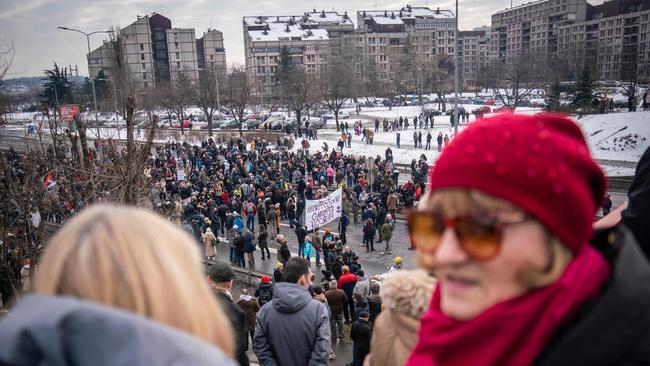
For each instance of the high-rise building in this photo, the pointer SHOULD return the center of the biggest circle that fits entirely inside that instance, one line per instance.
(533, 27)
(381, 35)
(307, 37)
(473, 57)
(181, 46)
(614, 41)
(210, 51)
(152, 52)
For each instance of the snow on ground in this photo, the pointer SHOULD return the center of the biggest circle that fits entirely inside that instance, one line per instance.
(617, 136)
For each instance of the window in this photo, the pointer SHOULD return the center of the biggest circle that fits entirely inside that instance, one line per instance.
(178, 65)
(141, 47)
(178, 55)
(142, 56)
(211, 57)
(144, 76)
(144, 66)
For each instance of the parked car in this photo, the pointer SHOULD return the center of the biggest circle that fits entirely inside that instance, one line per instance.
(342, 115)
(503, 109)
(252, 124)
(186, 124)
(229, 123)
(461, 110)
(490, 102)
(318, 123)
(432, 112)
(482, 110)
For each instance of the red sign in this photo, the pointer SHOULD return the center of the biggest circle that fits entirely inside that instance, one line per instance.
(68, 111)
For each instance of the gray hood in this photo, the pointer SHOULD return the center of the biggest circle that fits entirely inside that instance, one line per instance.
(290, 297)
(60, 331)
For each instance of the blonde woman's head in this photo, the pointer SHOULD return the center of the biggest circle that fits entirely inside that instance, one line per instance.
(132, 259)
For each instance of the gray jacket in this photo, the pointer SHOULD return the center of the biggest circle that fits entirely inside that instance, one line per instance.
(292, 329)
(362, 287)
(61, 331)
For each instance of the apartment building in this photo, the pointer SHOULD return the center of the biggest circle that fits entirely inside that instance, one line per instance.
(154, 52)
(473, 57)
(614, 41)
(307, 37)
(211, 54)
(381, 35)
(533, 27)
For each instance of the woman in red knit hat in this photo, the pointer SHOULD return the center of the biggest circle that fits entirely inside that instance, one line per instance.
(506, 228)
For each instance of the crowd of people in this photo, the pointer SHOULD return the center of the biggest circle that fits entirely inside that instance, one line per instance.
(504, 241)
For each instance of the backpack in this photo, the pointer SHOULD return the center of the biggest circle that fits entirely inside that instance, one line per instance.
(265, 296)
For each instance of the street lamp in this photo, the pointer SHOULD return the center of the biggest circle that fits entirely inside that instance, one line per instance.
(456, 74)
(92, 80)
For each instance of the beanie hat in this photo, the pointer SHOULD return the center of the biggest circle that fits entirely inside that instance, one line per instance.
(265, 279)
(539, 163)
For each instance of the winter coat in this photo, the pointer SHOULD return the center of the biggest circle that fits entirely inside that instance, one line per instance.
(362, 287)
(237, 319)
(613, 329)
(264, 293)
(406, 296)
(249, 245)
(308, 249)
(262, 239)
(337, 299)
(346, 283)
(374, 306)
(360, 334)
(386, 231)
(284, 254)
(250, 308)
(59, 330)
(293, 329)
(637, 214)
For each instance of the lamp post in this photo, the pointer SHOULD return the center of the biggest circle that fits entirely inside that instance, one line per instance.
(92, 80)
(456, 74)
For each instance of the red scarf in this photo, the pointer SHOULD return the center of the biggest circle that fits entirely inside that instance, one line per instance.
(513, 332)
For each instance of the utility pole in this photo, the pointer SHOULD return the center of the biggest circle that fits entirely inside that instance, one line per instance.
(92, 80)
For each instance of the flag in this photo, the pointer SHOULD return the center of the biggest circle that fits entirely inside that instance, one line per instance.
(49, 181)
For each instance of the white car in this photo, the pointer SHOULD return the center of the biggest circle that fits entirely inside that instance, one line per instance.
(342, 115)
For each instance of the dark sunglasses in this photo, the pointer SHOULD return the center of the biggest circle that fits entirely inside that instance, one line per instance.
(479, 234)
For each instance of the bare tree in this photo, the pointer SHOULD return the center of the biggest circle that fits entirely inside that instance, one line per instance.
(207, 98)
(336, 83)
(302, 94)
(514, 80)
(236, 93)
(442, 81)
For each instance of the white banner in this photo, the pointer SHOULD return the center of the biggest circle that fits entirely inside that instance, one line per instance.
(323, 211)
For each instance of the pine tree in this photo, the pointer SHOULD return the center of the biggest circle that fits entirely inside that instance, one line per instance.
(584, 89)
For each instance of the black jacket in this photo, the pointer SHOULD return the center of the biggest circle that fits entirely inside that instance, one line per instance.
(374, 306)
(637, 214)
(360, 335)
(237, 318)
(614, 329)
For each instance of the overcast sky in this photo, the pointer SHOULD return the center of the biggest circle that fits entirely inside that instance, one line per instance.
(31, 24)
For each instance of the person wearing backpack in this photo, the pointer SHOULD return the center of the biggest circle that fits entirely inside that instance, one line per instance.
(250, 210)
(264, 291)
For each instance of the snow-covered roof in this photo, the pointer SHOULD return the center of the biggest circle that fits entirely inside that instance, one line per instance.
(410, 12)
(387, 20)
(278, 31)
(329, 17)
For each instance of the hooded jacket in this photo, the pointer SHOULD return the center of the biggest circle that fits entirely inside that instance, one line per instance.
(59, 331)
(293, 329)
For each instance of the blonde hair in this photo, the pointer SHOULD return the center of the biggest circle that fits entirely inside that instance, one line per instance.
(132, 259)
(455, 201)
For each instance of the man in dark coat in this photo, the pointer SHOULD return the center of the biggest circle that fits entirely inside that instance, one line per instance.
(360, 333)
(220, 278)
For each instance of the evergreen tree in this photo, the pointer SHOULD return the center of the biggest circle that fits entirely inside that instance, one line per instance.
(584, 89)
(56, 86)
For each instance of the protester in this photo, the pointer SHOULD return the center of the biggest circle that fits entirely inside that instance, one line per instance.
(293, 329)
(264, 291)
(337, 300)
(346, 282)
(548, 297)
(360, 333)
(105, 247)
(250, 307)
(221, 277)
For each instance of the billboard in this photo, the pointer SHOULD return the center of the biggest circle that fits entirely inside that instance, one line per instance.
(68, 111)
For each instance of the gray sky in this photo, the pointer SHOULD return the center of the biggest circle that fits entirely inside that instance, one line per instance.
(31, 24)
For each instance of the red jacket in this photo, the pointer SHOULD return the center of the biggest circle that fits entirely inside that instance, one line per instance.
(347, 283)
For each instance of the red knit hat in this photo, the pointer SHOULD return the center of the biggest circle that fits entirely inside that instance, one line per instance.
(539, 163)
(266, 279)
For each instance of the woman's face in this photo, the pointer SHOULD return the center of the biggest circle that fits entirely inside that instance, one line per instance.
(469, 287)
